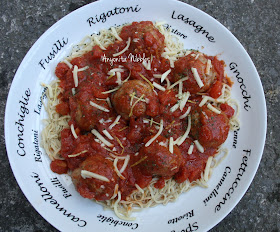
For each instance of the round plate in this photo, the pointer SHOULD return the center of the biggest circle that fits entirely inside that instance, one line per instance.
(54, 196)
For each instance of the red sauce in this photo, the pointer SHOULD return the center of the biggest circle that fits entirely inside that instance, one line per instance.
(134, 129)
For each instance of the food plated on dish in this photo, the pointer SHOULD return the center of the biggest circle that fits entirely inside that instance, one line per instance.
(136, 119)
(143, 109)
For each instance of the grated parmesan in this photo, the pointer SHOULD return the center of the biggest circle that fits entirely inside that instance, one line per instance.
(190, 150)
(125, 163)
(171, 143)
(115, 191)
(101, 138)
(107, 134)
(197, 77)
(75, 76)
(75, 155)
(198, 146)
(111, 90)
(184, 100)
(115, 122)
(207, 71)
(164, 75)
(86, 174)
(73, 131)
(175, 107)
(98, 106)
(177, 82)
(117, 170)
(156, 85)
(183, 138)
(157, 134)
(126, 48)
(207, 168)
(186, 113)
(119, 78)
(212, 108)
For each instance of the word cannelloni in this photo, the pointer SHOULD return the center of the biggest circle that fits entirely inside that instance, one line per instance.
(134, 133)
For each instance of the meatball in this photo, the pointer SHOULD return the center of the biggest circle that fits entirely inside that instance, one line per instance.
(145, 38)
(125, 98)
(158, 160)
(91, 187)
(84, 114)
(183, 68)
(209, 128)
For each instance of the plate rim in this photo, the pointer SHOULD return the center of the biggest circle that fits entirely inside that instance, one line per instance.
(17, 77)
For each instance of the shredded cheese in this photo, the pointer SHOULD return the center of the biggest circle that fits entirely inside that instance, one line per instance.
(120, 143)
(186, 113)
(164, 75)
(117, 170)
(139, 161)
(157, 134)
(184, 100)
(157, 75)
(208, 66)
(158, 86)
(177, 82)
(86, 174)
(126, 48)
(198, 146)
(75, 155)
(82, 69)
(203, 101)
(107, 134)
(115, 122)
(111, 90)
(98, 106)
(180, 90)
(207, 168)
(171, 143)
(101, 138)
(73, 131)
(109, 102)
(116, 156)
(115, 191)
(197, 77)
(119, 78)
(175, 107)
(190, 150)
(146, 80)
(147, 64)
(183, 138)
(125, 163)
(212, 108)
(75, 76)
(114, 70)
(131, 110)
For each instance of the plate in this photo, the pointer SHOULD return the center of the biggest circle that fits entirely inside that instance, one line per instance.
(54, 196)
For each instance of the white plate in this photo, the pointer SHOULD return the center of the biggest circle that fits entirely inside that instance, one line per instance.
(197, 210)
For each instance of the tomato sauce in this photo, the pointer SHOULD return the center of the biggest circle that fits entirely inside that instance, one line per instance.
(142, 107)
